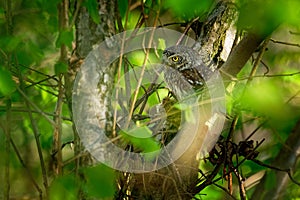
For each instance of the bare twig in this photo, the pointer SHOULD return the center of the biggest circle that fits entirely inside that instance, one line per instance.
(257, 60)
(78, 6)
(285, 43)
(215, 184)
(288, 171)
(38, 144)
(35, 130)
(7, 131)
(9, 31)
(241, 184)
(57, 133)
(269, 76)
(142, 72)
(294, 33)
(34, 111)
(37, 109)
(284, 162)
(53, 77)
(56, 146)
(187, 28)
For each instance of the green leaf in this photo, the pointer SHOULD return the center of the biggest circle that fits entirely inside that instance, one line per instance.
(141, 138)
(65, 37)
(123, 6)
(64, 187)
(9, 43)
(100, 182)
(92, 7)
(188, 9)
(7, 84)
(271, 180)
(29, 53)
(161, 44)
(147, 6)
(136, 58)
(188, 111)
(60, 68)
(264, 97)
(265, 16)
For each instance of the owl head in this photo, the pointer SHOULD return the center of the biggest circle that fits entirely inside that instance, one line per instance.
(179, 57)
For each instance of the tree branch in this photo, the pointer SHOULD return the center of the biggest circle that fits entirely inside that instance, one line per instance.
(286, 159)
(240, 55)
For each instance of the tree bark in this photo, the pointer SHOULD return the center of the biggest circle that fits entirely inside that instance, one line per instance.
(215, 43)
(88, 35)
(179, 180)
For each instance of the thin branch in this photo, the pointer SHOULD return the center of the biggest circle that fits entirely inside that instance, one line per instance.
(62, 146)
(78, 6)
(238, 165)
(76, 157)
(39, 72)
(257, 60)
(240, 55)
(57, 164)
(241, 185)
(288, 171)
(63, 10)
(34, 111)
(294, 33)
(269, 76)
(285, 43)
(26, 168)
(187, 28)
(215, 184)
(266, 67)
(38, 145)
(284, 161)
(171, 24)
(37, 109)
(7, 131)
(35, 129)
(142, 72)
(255, 130)
(40, 82)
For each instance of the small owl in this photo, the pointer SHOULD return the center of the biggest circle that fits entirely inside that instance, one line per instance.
(184, 71)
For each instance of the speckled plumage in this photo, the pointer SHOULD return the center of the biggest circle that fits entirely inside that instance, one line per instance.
(184, 71)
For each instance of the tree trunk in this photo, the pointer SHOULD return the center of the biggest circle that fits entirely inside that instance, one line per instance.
(216, 38)
(179, 180)
(88, 35)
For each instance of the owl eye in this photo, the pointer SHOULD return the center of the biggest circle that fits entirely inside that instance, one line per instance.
(175, 58)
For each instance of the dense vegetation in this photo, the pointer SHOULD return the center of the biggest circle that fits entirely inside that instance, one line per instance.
(40, 150)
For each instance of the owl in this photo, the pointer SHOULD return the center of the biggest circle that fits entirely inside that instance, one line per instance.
(184, 72)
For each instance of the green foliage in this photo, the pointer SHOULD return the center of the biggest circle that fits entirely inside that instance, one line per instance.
(271, 179)
(123, 6)
(9, 43)
(92, 7)
(65, 187)
(188, 9)
(7, 84)
(65, 37)
(141, 138)
(270, 104)
(265, 16)
(100, 182)
(60, 68)
(29, 51)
